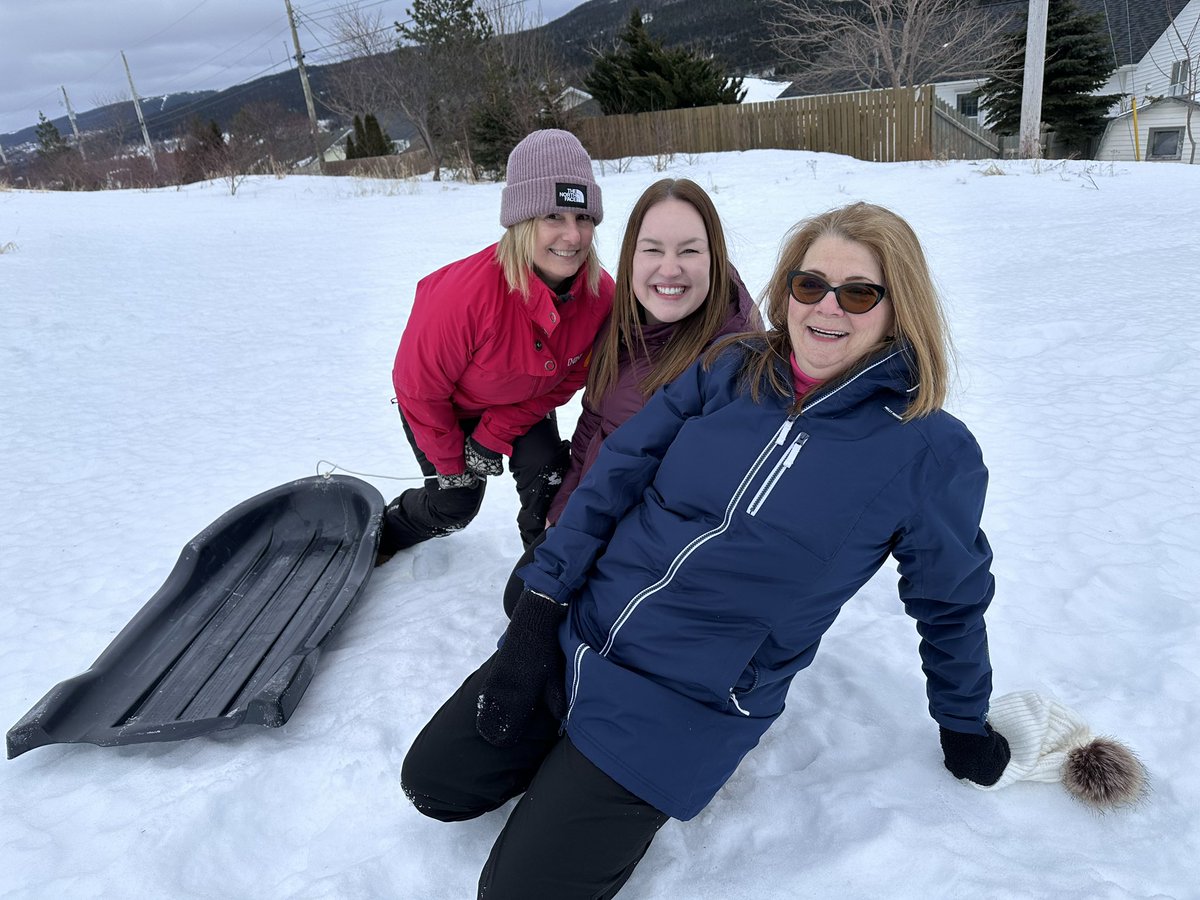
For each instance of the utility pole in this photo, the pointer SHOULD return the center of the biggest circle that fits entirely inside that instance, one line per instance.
(74, 127)
(312, 110)
(1031, 87)
(137, 105)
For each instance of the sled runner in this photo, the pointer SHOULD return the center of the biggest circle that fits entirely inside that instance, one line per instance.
(233, 635)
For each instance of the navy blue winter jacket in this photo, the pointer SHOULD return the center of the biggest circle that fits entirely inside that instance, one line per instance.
(713, 543)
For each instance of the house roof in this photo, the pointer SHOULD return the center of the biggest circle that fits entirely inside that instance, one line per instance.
(1155, 102)
(1134, 25)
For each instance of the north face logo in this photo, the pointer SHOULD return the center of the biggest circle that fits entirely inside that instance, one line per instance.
(573, 195)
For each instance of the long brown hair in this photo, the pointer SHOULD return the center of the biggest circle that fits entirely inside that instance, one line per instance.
(692, 334)
(915, 305)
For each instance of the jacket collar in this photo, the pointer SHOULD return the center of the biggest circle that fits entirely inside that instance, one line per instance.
(889, 373)
(543, 305)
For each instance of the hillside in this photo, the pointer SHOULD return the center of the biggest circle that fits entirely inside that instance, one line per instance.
(733, 30)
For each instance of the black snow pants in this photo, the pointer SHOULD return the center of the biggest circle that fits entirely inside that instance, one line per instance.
(575, 833)
(537, 464)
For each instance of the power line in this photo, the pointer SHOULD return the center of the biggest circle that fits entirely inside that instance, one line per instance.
(279, 30)
(172, 25)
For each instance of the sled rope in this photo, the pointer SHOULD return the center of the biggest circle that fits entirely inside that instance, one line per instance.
(334, 467)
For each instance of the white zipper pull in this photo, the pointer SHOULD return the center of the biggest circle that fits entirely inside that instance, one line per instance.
(794, 450)
(736, 705)
(782, 434)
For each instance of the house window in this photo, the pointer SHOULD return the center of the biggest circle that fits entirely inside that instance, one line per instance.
(1165, 143)
(968, 105)
(1180, 69)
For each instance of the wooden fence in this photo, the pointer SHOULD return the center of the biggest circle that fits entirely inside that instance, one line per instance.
(881, 126)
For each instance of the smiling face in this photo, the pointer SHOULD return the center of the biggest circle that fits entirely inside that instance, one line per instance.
(825, 338)
(671, 261)
(561, 244)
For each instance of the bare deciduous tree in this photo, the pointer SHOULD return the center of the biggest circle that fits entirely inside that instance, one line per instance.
(364, 79)
(458, 59)
(424, 79)
(523, 84)
(887, 43)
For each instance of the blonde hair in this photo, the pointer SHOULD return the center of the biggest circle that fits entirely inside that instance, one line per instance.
(693, 333)
(918, 319)
(515, 254)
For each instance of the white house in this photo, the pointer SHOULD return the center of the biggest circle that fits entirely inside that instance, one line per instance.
(1165, 87)
(962, 96)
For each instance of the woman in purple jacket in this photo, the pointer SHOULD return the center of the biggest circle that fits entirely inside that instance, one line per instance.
(676, 293)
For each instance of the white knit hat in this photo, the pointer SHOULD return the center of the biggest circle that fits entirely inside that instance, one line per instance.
(1050, 742)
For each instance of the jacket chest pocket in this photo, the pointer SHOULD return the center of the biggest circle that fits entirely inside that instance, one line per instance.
(817, 495)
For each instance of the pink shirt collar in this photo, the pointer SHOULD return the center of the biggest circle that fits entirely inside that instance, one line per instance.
(804, 382)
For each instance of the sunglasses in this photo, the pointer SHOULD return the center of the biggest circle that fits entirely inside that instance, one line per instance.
(855, 297)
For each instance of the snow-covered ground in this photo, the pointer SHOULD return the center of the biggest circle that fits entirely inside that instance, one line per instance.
(167, 354)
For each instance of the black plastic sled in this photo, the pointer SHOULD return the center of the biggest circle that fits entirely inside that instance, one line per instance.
(233, 635)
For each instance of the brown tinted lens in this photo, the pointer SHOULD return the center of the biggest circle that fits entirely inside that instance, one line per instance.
(857, 298)
(808, 288)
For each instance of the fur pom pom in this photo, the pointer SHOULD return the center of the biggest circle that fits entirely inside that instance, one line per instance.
(1104, 774)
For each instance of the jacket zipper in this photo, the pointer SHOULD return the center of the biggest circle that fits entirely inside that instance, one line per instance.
(733, 695)
(789, 457)
(776, 473)
(777, 440)
(576, 668)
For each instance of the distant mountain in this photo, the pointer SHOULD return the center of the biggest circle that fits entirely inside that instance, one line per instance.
(732, 30)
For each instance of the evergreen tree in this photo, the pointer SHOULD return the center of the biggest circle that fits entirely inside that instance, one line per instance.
(443, 23)
(641, 75)
(378, 142)
(50, 141)
(360, 139)
(202, 151)
(443, 73)
(1078, 62)
(495, 125)
(351, 150)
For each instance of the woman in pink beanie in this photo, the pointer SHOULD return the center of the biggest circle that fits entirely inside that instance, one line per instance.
(496, 342)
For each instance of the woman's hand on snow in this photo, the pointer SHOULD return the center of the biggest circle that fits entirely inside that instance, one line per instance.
(980, 758)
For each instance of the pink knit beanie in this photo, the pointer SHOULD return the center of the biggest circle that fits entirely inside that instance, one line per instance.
(549, 171)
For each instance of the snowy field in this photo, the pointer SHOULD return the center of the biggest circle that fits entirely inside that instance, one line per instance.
(167, 354)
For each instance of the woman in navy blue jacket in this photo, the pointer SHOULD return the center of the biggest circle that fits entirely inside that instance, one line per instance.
(697, 565)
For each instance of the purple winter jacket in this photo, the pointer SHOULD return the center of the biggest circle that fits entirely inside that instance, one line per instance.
(625, 397)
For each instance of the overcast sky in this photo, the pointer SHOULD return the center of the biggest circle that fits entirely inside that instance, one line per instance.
(171, 45)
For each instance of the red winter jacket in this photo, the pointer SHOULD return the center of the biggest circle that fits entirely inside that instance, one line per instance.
(474, 347)
(625, 397)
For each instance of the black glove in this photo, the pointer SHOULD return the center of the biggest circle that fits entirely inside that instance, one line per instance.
(467, 479)
(481, 460)
(980, 758)
(526, 671)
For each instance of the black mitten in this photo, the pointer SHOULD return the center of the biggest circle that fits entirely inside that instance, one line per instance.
(481, 460)
(980, 758)
(527, 670)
